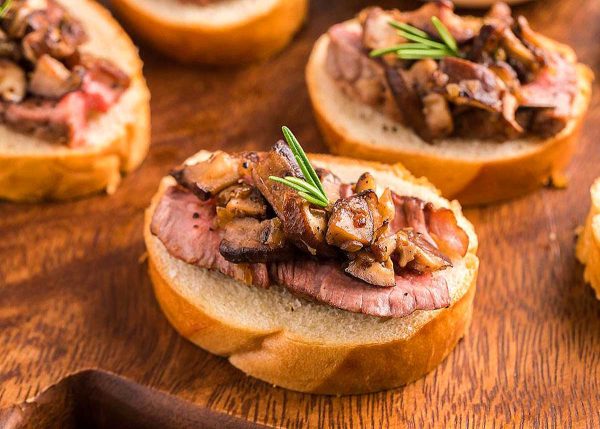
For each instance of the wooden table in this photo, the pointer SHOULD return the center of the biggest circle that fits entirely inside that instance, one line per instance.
(74, 293)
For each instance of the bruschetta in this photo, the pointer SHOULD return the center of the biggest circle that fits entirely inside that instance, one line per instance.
(315, 273)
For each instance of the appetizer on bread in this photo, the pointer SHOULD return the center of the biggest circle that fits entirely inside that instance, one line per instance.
(485, 108)
(74, 108)
(588, 245)
(344, 278)
(214, 31)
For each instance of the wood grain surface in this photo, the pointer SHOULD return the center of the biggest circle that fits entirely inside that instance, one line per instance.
(74, 292)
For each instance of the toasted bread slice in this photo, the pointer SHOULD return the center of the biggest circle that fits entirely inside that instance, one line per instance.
(291, 342)
(32, 169)
(474, 172)
(588, 245)
(226, 32)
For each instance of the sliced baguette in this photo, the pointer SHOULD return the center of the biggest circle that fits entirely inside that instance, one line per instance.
(588, 245)
(291, 342)
(32, 169)
(474, 172)
(227, 32)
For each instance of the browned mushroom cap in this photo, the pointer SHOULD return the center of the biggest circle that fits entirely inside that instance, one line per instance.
(211, 176)
(12, 81)
(46, 28)
(472, 84)
(52, 79)
(351, 225)
(250, 240)
(408, 102)
(366, 268)
(366, 182)
(238, 201)
(415, 252)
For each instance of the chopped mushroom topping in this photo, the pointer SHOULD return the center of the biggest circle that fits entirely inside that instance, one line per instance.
(366, 182)
(371, 271)
(206, 178)
(373, 238)
(12, 81)
(52, 79)
(50, 87)
(250, 240)
(499, 81)
(417, 253)
(351, 225)
(238, 201)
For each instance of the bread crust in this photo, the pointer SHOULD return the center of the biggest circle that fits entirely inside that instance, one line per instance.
(472, 181)
(285, 359)
(588, 244)
(72, 173)
(249, 39)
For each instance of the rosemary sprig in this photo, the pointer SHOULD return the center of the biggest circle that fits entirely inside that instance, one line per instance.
(4, 7)
(421, 44)
(310, 188)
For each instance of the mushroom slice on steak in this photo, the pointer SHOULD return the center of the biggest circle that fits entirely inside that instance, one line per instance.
(52, 79)
(352, 222)
(518, 52)
(365, 267)
(499, 12)
(416, 253)
(471, 84)
(250, 240)
(366, 182)
(206, 178)
(408, 102)
(12, 81)
(303, 224)
(238, 201)
(48, 30)
(484, 48)
(384, 244)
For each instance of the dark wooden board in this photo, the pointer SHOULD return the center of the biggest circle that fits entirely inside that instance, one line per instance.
(75, 295)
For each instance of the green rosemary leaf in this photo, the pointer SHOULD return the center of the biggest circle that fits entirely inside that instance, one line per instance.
(384, 51)
(421, 45)
(291, 141)
(312, 200)
(422, 40)
(310, 188)
(445, 34)
(287, 183)
(408, 47)
(422, 54)
(307, 186)
(305, 164)
(4, 7)
(408, 28)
